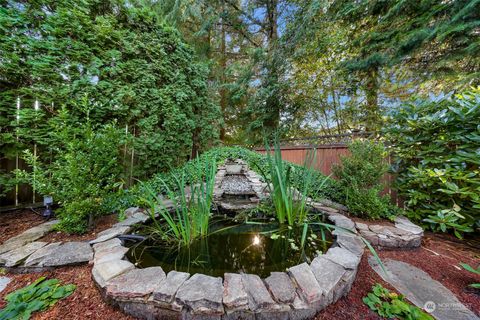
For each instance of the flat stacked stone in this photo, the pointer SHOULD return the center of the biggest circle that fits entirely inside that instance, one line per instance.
(405, 224)
(200, 295)
(343, 257)
(307, 286)
(164, 295)
(103, 272)
(281, 287)
(111, 233)
(60, 254)
(351, 243)
(27, 236)
(343, 222)
(136, 213)
(301, 310)
(135, 284)
(109, 254)
(404, 234)
(41, 254)
(107, 245)
(17, 256)
(329, 276)
(235, 298)
(131, 221)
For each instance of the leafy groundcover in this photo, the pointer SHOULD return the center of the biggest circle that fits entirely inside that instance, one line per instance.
(38, 296)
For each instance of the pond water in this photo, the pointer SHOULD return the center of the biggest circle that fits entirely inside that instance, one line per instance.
(250, 248)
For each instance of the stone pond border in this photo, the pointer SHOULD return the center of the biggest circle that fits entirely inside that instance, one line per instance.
(298, 293)
(402, 235)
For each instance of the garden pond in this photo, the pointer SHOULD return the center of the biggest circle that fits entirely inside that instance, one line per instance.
(251, 247)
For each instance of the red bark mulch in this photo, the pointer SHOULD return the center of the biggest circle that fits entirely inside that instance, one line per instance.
(13, 223)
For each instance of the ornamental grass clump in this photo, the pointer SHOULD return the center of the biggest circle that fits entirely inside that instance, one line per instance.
(190, 217)
(290, 204)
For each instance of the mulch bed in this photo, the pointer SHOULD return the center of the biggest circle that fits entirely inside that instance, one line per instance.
(439, 256)
(85, 302)
(15, 222)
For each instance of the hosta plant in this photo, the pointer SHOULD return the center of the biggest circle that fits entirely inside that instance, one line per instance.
(38, 296)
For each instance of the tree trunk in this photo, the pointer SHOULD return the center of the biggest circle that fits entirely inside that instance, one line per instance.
(371, 92)
(272, 102)
(223, 92)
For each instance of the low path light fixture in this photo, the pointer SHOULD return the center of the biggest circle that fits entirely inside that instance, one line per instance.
(48, 202)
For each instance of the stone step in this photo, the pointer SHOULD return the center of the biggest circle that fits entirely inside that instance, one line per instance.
(17, 256)
(423, 291)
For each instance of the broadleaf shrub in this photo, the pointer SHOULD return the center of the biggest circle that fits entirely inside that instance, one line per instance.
(84, 173)
(359, 177)
(436, 148)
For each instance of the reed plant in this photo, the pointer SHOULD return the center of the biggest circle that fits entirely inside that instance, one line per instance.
(189, 218)
(291, 204)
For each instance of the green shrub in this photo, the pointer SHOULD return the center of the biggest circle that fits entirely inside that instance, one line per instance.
(367, 203)
(85, 171)
(365, 166)
(359, 177)
(132, 66)
(38, 296)
(436, 151)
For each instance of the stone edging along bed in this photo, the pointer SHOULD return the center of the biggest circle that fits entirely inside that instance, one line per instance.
(299, 293)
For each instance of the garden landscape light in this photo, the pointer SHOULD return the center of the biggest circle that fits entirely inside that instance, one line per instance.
(47, 202)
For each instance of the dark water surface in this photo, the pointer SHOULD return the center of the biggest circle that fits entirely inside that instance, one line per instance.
(245, 248)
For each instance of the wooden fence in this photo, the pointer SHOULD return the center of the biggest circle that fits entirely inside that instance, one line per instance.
(327, 155)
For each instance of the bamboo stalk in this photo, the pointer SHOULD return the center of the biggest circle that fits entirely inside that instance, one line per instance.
(16, 158)
(131, 160)
(36, 107)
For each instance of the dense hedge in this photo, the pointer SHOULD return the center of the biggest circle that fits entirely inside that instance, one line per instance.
(121, 58)
(436, 145)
